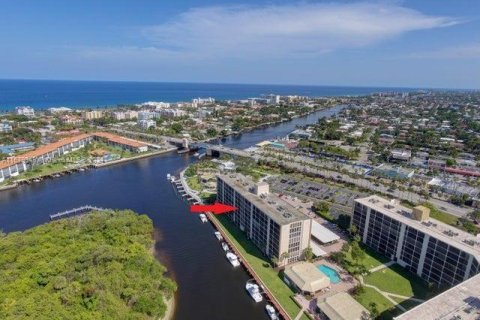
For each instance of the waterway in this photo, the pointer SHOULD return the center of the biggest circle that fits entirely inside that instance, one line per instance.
(209, 288)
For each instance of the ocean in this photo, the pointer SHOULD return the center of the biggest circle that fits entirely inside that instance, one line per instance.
(41, 94)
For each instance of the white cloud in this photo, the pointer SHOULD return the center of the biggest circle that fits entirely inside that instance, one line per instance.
(288, 30)
(458, 52)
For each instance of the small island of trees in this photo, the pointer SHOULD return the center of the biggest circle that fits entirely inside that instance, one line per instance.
(97, 266)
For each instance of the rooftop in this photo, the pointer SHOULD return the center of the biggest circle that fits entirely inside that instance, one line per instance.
(307, 277)
(459, 302)
(341, 306)
(276, 208)
(437, 229)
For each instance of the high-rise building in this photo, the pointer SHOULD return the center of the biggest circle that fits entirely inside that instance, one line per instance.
(277, 228)
(25, 111)
(437, 252)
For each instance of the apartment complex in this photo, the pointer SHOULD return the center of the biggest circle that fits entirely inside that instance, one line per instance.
(15, 165)
(439, 253)
(272, 224)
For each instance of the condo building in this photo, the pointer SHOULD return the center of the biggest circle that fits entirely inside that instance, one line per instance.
(272, 224)
(437, 252)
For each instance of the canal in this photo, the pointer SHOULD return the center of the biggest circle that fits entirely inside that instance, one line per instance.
(208, 287)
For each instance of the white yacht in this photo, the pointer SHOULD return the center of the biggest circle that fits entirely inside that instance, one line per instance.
(225, 246)
(203, 217)
(254, 291)
(272, 313)
(233, 259)
(169, 176)
(218, 235)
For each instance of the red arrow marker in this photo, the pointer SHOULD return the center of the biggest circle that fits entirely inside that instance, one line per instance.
(216, 208)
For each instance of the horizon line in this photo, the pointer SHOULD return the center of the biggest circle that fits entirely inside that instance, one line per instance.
(253, 84)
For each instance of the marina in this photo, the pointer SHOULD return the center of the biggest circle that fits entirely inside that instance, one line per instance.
(133, 185)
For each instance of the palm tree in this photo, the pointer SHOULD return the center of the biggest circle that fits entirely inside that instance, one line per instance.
(284, 256)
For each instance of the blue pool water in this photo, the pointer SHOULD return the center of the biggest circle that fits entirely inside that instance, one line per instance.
(330, 273)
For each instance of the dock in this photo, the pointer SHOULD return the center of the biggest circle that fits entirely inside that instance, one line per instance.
(243, 261)
(75, 212)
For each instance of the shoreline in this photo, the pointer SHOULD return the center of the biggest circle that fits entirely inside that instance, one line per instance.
(16, 184)
(171, 307)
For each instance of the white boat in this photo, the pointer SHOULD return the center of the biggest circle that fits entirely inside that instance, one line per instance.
(203, 217)
(218, 235)
(254, 291)
(169, 176)
(225, 246)
(233, 259)
(172, 178)
(196, 154)
(272, 313)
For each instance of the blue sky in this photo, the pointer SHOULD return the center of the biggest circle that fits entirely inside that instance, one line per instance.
(427, 43)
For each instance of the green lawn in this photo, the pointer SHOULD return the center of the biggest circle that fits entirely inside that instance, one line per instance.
(270, 277)
(371, 295)
(194, 184)
(396, 279)
(371, 259)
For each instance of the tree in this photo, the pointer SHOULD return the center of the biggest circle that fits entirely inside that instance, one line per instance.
(356, 252)
(212, 132)
(373, 310)
(308, 254)
(177, 127)
(284, 256)
(274, 261)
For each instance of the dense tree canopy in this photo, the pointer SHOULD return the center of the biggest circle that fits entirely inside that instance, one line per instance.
(97, 266)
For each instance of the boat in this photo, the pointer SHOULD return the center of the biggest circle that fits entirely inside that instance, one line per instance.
(233, 259)
(36, 180)
(254, 291)
(225, 246)
(272, 313)
(81, 169)
(196, 154)
(172, 178)
(218, 235)
(169, 176)
(203, 217)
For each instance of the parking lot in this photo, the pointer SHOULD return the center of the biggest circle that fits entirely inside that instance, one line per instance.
(341, 198)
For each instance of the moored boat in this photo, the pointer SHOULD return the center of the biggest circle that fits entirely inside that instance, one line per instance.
(254, 291)
(272, 313)
(203, 217)
(225, 246)
(218, 235)
(233, 259)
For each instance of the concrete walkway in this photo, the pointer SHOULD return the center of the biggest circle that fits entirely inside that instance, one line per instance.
(300, 314)
(384, 294)
(382, 266)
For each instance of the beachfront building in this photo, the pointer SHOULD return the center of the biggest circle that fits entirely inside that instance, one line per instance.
(25, 111)
(15, 165)
(305, 278)
(278, 229)
(437, 252)
(341, 306)
(94, 114)
(5, 127)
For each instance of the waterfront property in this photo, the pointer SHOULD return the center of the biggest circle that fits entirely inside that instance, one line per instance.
(437, 252)
(306, 278)
(278, 229)
(15, 165)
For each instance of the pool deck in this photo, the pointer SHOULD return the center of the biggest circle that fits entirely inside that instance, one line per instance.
(348, 282)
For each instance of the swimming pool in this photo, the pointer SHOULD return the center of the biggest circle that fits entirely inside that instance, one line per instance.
(330, 273)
